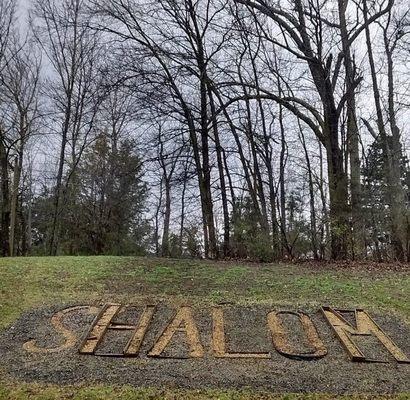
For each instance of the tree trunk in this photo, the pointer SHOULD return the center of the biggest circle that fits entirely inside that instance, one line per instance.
(399, 218)
(325, 229)
(224, 197)
(58, 194)
(313, 230)
(282, 192)
(338, 194)
(182, 224)
(352, 138)
(165, 251)
(156, 230)
(14, 200)
(5, 201)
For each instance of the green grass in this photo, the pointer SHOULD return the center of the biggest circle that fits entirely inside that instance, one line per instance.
(38, 392)
(40, 281)
(37, 281)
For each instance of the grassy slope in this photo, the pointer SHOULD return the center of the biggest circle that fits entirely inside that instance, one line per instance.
(30, 282)
(23, 392)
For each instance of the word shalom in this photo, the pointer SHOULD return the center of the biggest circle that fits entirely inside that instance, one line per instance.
(183, 322)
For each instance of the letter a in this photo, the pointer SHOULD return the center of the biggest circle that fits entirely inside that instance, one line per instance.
(182, 322)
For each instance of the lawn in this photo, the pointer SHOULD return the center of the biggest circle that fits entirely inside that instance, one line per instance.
(39, 281)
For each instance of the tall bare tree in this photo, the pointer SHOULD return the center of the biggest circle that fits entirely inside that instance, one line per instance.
(73, 53)
(390, 141)
(20, 80)
(300, 31)
(7, 20)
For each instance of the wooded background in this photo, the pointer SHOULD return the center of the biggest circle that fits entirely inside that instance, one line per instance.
(256, 129)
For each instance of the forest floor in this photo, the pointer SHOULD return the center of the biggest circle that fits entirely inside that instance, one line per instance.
(41, 283)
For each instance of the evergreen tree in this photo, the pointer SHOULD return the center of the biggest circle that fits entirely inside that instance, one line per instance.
(375, 200)
(104, 213)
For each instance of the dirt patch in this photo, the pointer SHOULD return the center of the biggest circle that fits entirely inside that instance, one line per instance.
(245, 332)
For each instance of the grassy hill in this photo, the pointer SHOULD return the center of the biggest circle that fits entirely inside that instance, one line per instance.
(26, 283)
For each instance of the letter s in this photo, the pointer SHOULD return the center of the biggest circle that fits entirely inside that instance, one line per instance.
(57, 322)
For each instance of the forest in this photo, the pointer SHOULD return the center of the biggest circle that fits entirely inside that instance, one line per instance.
(224, 129)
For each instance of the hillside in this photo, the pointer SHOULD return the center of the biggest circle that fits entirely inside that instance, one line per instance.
(30, 284)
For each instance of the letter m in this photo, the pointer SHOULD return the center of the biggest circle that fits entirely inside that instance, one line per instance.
(365, 326)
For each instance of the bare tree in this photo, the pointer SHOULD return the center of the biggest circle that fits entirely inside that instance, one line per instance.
(391, 143)
(181, 54)
(20, 80)
(301, 30)
(7, 19)
(73, 53)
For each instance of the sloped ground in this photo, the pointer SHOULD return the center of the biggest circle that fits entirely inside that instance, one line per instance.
(31, 289)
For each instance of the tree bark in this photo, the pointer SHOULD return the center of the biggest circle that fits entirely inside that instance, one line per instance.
(352, 137)
(165, 251)
(14, 200)
(5, 201)
(224, 197)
